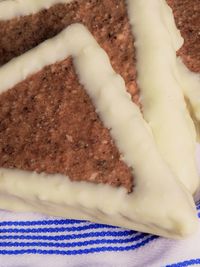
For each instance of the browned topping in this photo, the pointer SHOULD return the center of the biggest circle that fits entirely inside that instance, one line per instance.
(187, 16)
(106, 19)
(47, 122)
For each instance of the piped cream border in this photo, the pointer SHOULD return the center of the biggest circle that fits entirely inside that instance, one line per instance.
(158, 204)
(162, 85)
(191, 87)
(174, 79)
(10, 9)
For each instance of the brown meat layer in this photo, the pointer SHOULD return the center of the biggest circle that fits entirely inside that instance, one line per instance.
(48, 123)
(107, 20)
(187, 17)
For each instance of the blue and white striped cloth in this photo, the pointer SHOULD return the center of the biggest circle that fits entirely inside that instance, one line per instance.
(39, 241)
(32, 240)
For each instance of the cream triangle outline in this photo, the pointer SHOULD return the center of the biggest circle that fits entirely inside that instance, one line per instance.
(159, 204)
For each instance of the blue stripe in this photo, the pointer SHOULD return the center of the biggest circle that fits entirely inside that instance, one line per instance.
(74, 244)
(185, 263)
(57, 229)
(43, 222)
(67, 237)
(77, 252)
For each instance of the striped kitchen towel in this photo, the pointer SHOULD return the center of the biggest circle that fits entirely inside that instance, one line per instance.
(39, 241)
(32, 240)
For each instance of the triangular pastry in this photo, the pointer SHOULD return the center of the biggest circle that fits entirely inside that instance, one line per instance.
(66, 115)
(25, 24)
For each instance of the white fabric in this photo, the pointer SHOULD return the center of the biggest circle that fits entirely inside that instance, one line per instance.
(156, 252)
(159, 252)
(98, 245)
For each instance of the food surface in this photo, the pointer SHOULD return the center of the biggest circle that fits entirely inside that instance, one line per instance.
(187, 17)
(89, 118)
(48, 124)
(68, 137)
(107, 20)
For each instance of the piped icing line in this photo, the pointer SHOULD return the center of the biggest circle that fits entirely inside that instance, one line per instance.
(159, 204)
(168, 21)
(162, 99)
(10, 9)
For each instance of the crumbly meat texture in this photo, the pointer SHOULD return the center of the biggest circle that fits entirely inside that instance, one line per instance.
(187, 17)
(47, 122)
(107, 20)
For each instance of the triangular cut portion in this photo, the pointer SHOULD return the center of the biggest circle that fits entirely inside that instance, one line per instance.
(72, 148)
(49, 124)
(73, 143)
(156, 202)
(108, 22)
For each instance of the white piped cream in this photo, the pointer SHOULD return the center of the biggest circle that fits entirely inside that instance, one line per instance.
(10, 9)
(164, 107)
(158, 204)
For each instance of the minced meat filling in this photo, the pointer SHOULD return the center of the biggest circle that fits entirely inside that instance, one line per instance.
(47, 122)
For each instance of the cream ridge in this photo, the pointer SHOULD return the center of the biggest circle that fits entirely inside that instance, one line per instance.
(162, 86)
(158, 204)
(162, 96)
